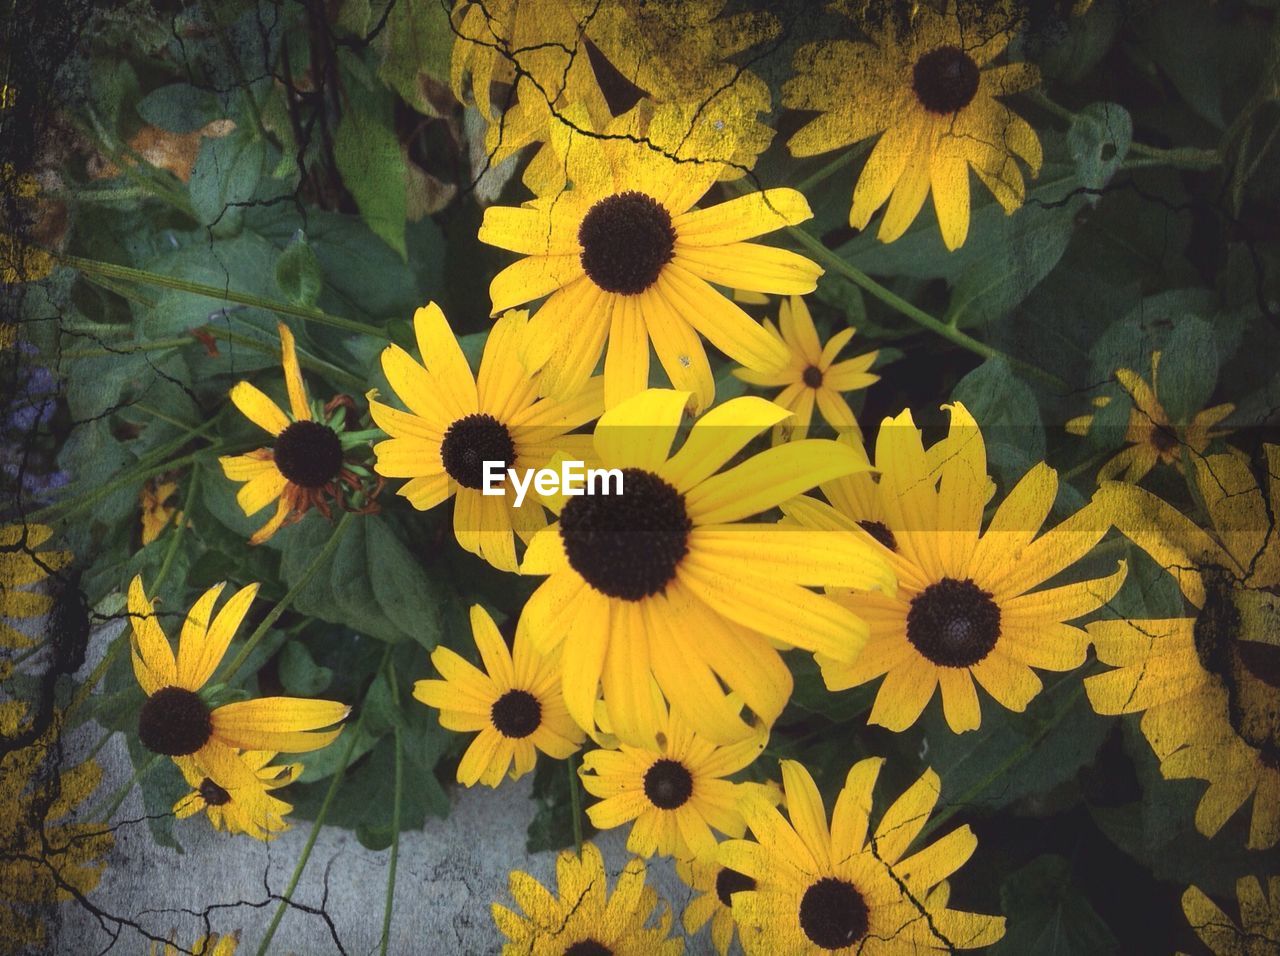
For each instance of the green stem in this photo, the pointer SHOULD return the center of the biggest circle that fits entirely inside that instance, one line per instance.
(157, 346)
(830, 260)
(319, 366)
(823, 173)
(261, 630)
(353, 735)
(124, 791)
(142, 469)
(966, 798)
(221, 294)
(1184, 157)
(105, 194)
(395, 838)
(117, 645)
(575, 802)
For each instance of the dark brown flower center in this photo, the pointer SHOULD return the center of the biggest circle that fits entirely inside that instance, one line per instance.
(472, 441)
(308, 454)
(668, 784)
(953, 623)
(626, 239)
(729, 882)
(881, 532)
(174, 722)
(1164, 438)
(627, 545)
(212, 794)
(516, 714)
(588, 947)
(945, 80)
(833, 913)
(1218, 624)
(813, 376)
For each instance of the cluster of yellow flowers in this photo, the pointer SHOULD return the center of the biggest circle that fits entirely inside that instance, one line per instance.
(659, 629)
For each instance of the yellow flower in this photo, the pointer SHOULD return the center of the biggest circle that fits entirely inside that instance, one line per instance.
(23, 566)
(307, 462)
(1205, 685)
(584, 919)
(964, 609)
(211, 945)
(665, 579)
(931, 90)
(623, 257)
(818, 890)
(1258, 933)
(47, 858)
(456, 423)
(550, 57)
(249, 808)
(675, 792)
(1152, 438)
(516, 707)
(812, 375)
(203, 740)
(714, 885)
(158, 511)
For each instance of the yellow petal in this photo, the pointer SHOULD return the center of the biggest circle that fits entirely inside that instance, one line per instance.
(751, 266)
(259, 409)
(293, 374)
(742, 218)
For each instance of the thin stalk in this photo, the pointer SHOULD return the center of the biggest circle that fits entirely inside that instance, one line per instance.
(220, 294)
(395, 840)
(117, 645)
(953, 806)
(283, 604)
(120, 795)
(830, 260)
(823, 173)
(157, 346)
(353, 735)
(575, 803)
(143, 468)
(313, 364)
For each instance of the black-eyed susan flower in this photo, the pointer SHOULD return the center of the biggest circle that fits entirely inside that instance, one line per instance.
(23, 566)
(1258, 931)
(528, 64)
(516, 707)
(203, 739)
(307, 465)
(248, 808)
(457, 421)
(965, 608)
(713, 886)
(673, 794)
(929, 89)
(818, 890)
(50, 855)
(624, 257)
(665, 580)
(1151, 437)
(210, 945)
(583, 918)
(1206, 684)
(812, 376)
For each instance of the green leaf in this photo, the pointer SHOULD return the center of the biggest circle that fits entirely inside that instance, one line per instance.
(225, 178)
(552, 825)
(1048, 916)
(180, 108)
(1099, 140)
(371, 162)
(299, 672)
(1012, 756)
(1188, 368)
(1005, 409)
(419, 47)
(372, 583)
(298, 273)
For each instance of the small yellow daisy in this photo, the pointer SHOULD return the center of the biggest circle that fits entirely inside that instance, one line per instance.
(249, 808)
(675, 793)
(813, 376)
(584, 919)
(516, 707)
(456, 422)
